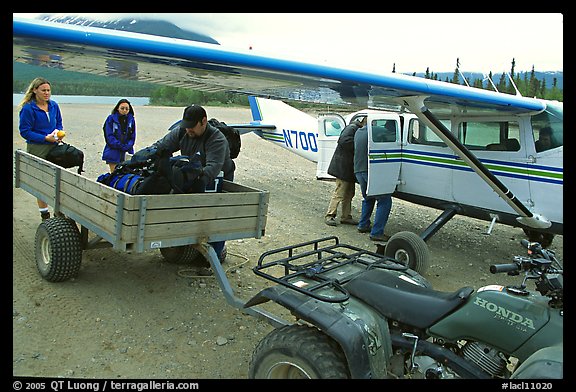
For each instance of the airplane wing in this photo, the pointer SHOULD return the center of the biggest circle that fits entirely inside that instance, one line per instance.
(211, 67)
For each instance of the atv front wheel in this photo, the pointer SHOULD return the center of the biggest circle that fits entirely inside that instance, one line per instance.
(298, 352)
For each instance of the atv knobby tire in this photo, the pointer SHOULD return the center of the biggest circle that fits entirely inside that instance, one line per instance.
(58, 249)
(297, 352)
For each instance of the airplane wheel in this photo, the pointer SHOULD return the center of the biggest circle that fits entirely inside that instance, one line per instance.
(410, 250)
(545, 239)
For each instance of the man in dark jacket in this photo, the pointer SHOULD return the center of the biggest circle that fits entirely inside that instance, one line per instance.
(196, 136)
(342, 167)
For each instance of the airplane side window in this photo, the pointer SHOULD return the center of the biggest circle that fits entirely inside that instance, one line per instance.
(383, 131)
(419, 133)
(548, 130)
(490, 135)
(332, 128)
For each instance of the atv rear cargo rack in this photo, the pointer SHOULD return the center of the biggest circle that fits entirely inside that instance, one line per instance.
(320, 268)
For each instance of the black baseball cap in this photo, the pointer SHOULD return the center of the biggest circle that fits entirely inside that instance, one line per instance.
(193, 114)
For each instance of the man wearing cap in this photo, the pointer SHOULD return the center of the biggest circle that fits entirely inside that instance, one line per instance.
(196, 136)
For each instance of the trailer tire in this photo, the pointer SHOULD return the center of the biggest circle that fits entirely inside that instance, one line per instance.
(188, 254)
(185, 254)
(296, 352)
(409, 249)
(58, 249)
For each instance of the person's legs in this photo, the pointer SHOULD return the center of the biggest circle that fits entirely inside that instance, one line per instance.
(367, 203)
(218, 247)
(383, 207)
(41, 151)
(348, 191)
(334, 201)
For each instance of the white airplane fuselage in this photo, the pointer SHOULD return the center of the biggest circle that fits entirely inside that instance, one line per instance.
(413, 164)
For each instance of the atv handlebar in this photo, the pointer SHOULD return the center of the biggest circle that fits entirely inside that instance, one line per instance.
(497, 268)
(540, 265)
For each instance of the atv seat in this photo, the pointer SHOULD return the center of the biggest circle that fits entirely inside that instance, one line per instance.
(406, 302)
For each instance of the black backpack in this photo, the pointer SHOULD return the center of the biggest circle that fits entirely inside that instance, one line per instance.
(154, 172)
(66, 156)
(232, 135)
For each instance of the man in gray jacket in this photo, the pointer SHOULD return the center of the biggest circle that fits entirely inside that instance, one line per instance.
(342, 167)
(196, 136)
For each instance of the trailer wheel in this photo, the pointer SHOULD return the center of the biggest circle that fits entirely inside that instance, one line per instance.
(298, 352)
(188, 254)
(410, 250)
(185, 254)
(58, 249)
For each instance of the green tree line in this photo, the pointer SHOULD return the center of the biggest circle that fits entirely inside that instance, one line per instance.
(76, 83)
(527, 84)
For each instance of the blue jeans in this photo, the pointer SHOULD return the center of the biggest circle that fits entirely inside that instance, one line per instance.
(218, 247)
(383, 205)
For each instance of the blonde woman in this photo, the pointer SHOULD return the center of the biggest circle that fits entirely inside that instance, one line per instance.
(40, 120)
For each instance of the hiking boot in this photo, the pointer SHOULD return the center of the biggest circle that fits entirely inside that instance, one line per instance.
(330, 221)
(364, 229)
(349, 221)
(380, 238)
(45, 215)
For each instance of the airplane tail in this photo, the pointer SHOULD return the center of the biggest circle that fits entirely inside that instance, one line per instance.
(271, 111)
(278, 122)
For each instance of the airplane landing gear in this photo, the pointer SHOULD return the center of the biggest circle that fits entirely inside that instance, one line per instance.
(409, 249)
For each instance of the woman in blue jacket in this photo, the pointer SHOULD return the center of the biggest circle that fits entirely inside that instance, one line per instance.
(40, 120)
(119, 133)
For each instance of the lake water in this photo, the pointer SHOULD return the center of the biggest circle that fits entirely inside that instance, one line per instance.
(135, 101)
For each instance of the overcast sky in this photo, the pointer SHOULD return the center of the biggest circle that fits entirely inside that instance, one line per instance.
(376, 41)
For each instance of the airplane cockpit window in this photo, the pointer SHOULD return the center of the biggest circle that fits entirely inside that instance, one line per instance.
(548, 129)
(419, 133)
(490, 135)
(383, 130)
(332, 128)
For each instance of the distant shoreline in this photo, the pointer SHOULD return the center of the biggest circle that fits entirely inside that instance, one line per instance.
(82, 99)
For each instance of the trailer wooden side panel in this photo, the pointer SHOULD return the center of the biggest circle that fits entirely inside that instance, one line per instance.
(144, 222)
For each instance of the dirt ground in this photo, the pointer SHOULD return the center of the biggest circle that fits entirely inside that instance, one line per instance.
(134, 315)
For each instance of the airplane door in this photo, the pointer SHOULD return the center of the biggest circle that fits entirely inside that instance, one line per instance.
(329, 128)
(384, 153)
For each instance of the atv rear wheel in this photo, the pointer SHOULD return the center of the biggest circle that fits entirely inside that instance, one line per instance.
(58, 249)
(298, 352)
(410, 250)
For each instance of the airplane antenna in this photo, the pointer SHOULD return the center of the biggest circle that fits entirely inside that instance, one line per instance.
(460, 72)
(518, 94)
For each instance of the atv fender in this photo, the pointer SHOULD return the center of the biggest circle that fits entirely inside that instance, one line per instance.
(545, 363)
(353, 335)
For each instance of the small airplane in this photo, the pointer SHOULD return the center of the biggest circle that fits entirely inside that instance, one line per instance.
(410, 161)
(459, 149)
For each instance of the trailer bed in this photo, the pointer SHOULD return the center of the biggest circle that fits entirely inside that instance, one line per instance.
(143, 222)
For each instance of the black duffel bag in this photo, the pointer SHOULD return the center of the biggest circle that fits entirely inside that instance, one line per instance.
(66, 156)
